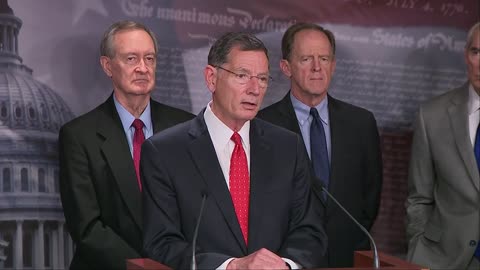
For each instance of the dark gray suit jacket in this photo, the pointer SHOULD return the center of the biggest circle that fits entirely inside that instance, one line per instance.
(98, 186)
(355, 177)
(180, 164)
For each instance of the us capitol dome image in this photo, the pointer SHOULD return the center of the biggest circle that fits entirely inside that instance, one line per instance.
(32, 229)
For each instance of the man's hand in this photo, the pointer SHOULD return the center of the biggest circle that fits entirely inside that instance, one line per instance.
(261, 259)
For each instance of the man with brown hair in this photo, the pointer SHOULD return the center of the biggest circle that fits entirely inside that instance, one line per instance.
(341, 139)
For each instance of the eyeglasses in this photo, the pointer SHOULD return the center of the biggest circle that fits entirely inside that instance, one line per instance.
(244, 78)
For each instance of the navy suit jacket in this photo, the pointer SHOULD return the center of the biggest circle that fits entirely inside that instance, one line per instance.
(355, 173)
(179, 165)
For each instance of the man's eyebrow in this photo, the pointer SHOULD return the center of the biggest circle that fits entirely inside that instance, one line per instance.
(240, 69)
(137, 53)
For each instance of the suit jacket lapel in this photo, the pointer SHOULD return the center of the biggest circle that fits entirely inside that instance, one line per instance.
(260, 168)
(206, 161)
(157, 117)
(337, 134)
(117, 154)
(458, 113)
(288, 116)
(160, 118)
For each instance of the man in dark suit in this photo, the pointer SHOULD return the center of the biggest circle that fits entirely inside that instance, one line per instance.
(99, 187)
(259, 213)
(350, 139)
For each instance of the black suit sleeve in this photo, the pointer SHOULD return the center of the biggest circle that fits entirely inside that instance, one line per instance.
(163, 240)
(306, 241)
(373, 174)
(94, 240)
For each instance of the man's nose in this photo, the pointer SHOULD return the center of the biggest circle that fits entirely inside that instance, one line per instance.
(142, 66)
(254, 85)
(316, 66)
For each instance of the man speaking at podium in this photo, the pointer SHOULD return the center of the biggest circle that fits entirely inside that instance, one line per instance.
(259, 212)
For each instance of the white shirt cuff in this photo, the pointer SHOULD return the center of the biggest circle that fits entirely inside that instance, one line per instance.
(292, 264)
(223, 266)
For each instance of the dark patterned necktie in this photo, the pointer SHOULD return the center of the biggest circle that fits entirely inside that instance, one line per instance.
(138, 139)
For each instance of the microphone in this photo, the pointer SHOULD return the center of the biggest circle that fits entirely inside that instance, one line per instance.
(376, 263)
(193, 265)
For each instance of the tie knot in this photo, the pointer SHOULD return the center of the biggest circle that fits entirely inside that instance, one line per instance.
(236, 138)
(314, 113)
(137, 124)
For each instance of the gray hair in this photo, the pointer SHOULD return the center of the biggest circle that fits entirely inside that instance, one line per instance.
(107, 46)
(475, 27)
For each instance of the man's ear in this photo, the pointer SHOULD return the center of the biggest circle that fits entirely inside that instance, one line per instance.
(105, 62)
(285, 67)
(210, 74)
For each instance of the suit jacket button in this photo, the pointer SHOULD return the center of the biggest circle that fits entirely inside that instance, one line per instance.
(473, 243)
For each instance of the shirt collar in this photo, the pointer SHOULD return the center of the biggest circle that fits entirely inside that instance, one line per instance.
(473, 100)
(221, 133)
(127, 118)
(303, 111)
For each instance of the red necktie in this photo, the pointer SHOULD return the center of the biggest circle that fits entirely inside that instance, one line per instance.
(138, 139)
(240, 184)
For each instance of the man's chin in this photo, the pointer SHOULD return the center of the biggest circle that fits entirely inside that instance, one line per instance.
(142, 91)
(250, 114)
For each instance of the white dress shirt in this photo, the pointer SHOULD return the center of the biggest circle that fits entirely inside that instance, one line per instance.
(220, 135)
